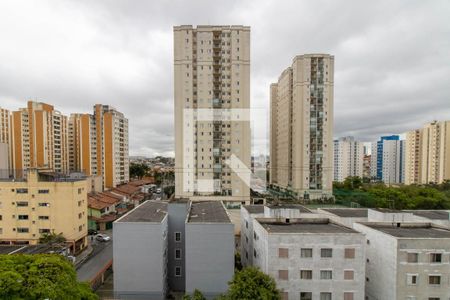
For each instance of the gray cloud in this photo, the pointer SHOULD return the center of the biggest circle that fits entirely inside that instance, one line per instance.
(392, 62)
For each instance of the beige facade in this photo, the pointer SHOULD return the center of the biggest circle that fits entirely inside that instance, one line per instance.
(40, 204)
(212, 73)
(99, 144)
(348, 158)
(428, 154)
(302, 127)
(39, 138)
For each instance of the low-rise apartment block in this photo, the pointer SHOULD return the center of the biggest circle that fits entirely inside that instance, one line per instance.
(312, 258)
(406, 261)
(178, 246)
(43, 203)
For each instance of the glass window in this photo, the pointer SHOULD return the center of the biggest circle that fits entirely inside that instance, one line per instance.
(325, 296)
(305, 296)
(178, 253)
(283, 252)
(306, 252)
(326, 274)
(411, 279)
(434, 279)
(306, 274)
(349, 253)
(178, 271)
(326, 252)
(348, 296)
(283, 274)
(177, 236)
(435, 257)
(348, 274)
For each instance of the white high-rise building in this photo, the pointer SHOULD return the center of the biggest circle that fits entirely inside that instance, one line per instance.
(388, 160)
(212, 79)
(348, 158)
(301, 137)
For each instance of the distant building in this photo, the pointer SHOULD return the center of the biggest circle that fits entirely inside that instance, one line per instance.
(313, 258)
(366, 165)
(388, 160)
(178, 246)
(43, 203)
(301, 128)
(406, 260)
(212, 73)
(428, 154)
(4, 160)
(348, 158)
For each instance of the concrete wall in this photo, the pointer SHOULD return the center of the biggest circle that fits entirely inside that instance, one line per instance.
(247, 236)
(139, 260)
(267, 245)
(209, 257)
(177, 217)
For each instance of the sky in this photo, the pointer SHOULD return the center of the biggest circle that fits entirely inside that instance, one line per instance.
(392, 58)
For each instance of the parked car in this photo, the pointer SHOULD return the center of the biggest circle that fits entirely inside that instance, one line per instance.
(92, 232)
(102, 237)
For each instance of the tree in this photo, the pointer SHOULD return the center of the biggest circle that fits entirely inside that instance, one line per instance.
(169, 190)
(197, 295)
(251, 283)
(52, 238)
(138, 170)
(40, 276)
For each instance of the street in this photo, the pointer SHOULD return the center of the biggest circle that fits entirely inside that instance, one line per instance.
(101, 256)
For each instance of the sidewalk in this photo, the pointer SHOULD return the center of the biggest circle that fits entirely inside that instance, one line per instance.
(83, 256)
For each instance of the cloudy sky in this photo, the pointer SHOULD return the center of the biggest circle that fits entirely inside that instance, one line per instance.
(392, 58)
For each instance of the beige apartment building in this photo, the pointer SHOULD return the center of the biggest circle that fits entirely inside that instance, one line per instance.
(43, 204)
(301, 137)
(212, 102)
(428, 154)
(5, 136)
(39, 138)
(99, 144)
(348, 158)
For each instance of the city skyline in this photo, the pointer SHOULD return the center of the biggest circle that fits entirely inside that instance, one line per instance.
(101, 54)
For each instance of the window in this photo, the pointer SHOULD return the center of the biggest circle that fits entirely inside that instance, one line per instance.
(349, 253)
(434, 279)
(80, 228)
(246, 222)
(178, 253)
(22, 230)
(348, 274)
(22, 191)
(306, 252)
(43, 217)
(177, 236)
(284, 296)
(44, 204)
(435, 257)
(178, 271)
(306, 274)
(22, 217)
(326, 252)
(325, 296)
(283, 274)
(22, 203)
(431, 298)
(305, 296)
(411, 279)
(283, 252)
(348, 296)
(326, 274)
(412, 257)
(79, 191)
(43, 191)
(44, 230)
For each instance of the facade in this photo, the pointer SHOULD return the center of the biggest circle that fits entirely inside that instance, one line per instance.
(310, 258)
(366, 165)
(40, 204)
(406, 260)
(39, 138)
(348, 158)
(428, 154)
(388, 160)
(161, 247)
(302, 127)
(211, 76)
(4, 160)
(5, 139)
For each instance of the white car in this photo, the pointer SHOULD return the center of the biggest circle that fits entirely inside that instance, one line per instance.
(102, 237)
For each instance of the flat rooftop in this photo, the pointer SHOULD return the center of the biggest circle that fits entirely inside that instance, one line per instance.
(348, 212)
(149, 211)
(315, 225)
(254, 209)
(301, 208)
(410, 230)
(431, 214)
(208, 212)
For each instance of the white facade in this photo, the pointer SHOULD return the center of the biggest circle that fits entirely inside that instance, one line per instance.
(348, 158)
(388, 161)
(406, 261)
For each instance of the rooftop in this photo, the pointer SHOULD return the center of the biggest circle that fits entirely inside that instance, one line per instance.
(348, 212)
(208, 212)
(301, 208)
(149, 211)
(410, 230)
(254, 209)
(310, 225)
(431, 214)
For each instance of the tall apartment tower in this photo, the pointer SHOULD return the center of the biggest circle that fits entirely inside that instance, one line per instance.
(39, 138)
(5, 143)
(428, 153)
(388, 160)
(212, 102)
(348, 158)
(99, 144)
(301, 138)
